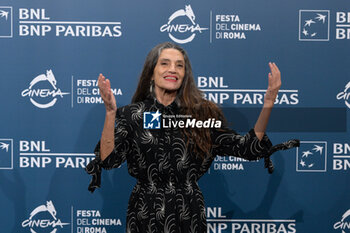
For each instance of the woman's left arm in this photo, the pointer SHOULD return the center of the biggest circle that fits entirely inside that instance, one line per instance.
(255, 144)
(274, 84)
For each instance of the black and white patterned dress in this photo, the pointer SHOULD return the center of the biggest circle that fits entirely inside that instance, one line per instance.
(166, 197)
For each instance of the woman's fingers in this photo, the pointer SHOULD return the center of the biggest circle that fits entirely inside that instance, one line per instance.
(100, 80)
(104, 85)
(270, 75)
(276, 68)
(273, 68)
(274, 75)
(108, 84)
(274, 83)
(106, 93)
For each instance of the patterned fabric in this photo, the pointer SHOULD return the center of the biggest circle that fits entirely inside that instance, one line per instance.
(166, 197)
(282, 146)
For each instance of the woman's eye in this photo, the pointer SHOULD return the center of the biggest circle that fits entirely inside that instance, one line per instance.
(180, 65)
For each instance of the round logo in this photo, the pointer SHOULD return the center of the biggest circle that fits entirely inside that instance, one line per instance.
(42, 90)
(44, 218)
(176, 27)
(345, 95)
(344, 223)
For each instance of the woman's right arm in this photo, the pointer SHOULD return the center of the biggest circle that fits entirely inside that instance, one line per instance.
(107, 137)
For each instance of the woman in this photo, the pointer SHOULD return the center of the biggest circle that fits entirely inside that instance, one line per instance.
(168, 162)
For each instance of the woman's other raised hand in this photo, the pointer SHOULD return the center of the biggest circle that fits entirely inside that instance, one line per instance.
(106, 93)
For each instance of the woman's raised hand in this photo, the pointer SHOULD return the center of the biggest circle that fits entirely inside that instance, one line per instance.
(274, 84)
(106, 93)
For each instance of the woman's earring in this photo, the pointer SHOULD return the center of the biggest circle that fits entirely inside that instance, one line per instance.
(151, 87)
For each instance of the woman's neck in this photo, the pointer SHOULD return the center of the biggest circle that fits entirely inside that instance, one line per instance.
(165, 97)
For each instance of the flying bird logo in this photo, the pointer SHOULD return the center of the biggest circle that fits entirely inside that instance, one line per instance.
(6, 153)
(305, 32)
(313, 25)
(312, 156)
(6, 24)
(306, 154)
(321, 18)
(318, 149)
(308, 22)
(4, 146)
(4, 14)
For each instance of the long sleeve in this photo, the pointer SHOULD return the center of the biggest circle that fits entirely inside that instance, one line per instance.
(227, 142)
(122, 147)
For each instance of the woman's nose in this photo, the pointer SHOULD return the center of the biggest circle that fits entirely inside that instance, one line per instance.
(172, 68)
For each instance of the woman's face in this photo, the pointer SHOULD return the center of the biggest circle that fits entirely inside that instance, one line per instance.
(169, 71)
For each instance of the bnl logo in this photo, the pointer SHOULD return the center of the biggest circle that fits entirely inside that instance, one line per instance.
(314, 25)
(6, 153)
(312, 156)
(5, 22)
(151, 120)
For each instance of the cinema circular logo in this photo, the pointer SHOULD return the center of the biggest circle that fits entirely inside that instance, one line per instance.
(42, 91)
(44, 218)
(344, 223)
(181, 26)
(345, 95)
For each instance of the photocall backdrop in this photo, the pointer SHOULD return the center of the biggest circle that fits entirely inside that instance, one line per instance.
(52, 115)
